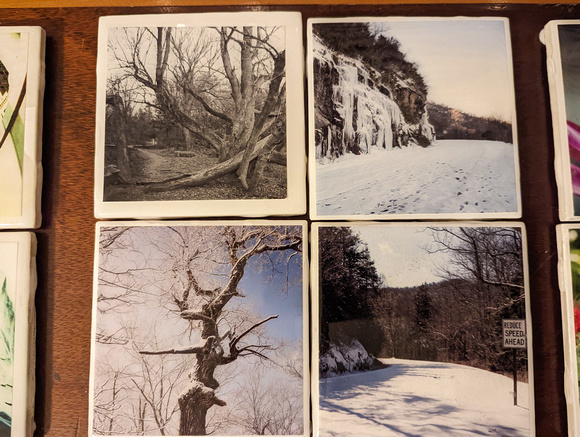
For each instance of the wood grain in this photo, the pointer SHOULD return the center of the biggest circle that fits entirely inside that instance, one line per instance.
(166, 3)
(66, 241)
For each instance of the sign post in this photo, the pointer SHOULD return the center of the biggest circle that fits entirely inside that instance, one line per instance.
(514, 337)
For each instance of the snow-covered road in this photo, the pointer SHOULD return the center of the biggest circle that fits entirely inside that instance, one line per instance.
(422, 398)
(450, 176)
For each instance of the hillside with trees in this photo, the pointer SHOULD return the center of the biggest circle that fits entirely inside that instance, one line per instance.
(455, 320)
(453, 124)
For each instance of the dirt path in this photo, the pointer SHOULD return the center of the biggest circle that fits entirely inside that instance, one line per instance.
(157, 165)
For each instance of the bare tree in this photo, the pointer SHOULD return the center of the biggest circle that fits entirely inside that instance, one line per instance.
(119, 111)
(490, 255)
(486, 279)
(191, 274)
(226, 89)
(153, 382)
(264, 409)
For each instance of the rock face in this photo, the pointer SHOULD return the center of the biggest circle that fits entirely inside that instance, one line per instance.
(355, 111)
(343, 358)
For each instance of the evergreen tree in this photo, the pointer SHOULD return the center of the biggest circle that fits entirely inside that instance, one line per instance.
(348, 279)
(424, 309)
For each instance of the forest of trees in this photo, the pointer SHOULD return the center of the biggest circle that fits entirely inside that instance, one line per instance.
(457, 319)
(453, 124)
(219, 91)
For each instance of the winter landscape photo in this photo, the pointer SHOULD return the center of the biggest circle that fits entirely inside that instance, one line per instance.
(412, 339)
(199, 331)
(195, 112)
(13, 69)
(412, 116)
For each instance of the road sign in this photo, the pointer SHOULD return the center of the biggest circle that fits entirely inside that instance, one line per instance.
(514, 333)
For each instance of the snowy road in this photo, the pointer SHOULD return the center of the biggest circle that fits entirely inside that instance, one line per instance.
(450, 176)
(421, 398)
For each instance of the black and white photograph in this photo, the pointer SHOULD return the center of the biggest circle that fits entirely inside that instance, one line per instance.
(17, 324)
(200, 329)
(412, 117)
(425, 332)
(200, 115)
(21, 96)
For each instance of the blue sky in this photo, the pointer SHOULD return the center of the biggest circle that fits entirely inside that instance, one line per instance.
(269, 297)
(270, 288)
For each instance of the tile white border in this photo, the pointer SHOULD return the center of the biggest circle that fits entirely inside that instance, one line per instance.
(306, 378)
(314, 215)
(294, 203)
(24, 332)
(315, 302)
(549, 36)
(32, 163)
(568, 331)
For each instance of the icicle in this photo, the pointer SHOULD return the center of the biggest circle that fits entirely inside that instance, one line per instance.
(370, 117)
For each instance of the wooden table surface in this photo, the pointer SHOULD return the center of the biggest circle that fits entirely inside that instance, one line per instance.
(66, 238)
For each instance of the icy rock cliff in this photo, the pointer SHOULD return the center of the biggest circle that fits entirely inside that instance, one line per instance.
(355, 112)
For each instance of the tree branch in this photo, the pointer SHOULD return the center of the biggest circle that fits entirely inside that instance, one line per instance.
(237, 339)
(175, 351)
(206, 106)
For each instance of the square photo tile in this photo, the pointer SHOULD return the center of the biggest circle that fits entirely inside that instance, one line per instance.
(200, 329)
(17, 333)
(421, 330)
(21, 97)
(412, 118)
(562, 39)
(200, 115)
(569, 275)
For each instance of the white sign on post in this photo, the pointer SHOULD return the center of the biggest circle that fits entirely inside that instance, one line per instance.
(514, 333)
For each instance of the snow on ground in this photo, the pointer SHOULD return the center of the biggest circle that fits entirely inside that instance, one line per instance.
(450, 176)
(422, 398)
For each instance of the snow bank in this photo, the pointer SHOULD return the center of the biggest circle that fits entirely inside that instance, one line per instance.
(422, 398)
(451, 176)
(342, 358)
